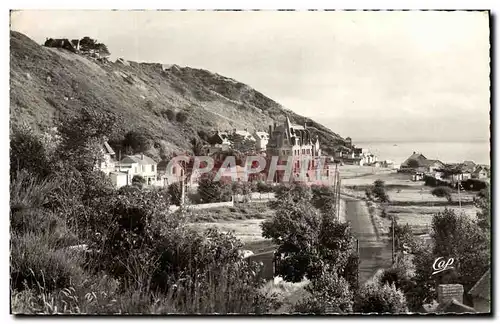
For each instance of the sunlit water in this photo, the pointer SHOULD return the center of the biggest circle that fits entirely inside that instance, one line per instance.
(447, 152)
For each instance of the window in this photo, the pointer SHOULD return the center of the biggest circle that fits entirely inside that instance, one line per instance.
(135, 169)
(142, 168)
(152, 168)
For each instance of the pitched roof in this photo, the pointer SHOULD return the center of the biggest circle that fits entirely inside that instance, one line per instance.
(138, 159)
(453, 306)
(342, 148)
(482, 287)
(108, 149)
(244, 133)
(430, 162)
(294, 126)
(419, 157)
(262, 135)
(479, 169)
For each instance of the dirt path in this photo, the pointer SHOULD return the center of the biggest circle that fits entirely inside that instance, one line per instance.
(374, 253)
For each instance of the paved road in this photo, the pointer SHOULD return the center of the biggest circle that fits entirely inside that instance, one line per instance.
(374, 252)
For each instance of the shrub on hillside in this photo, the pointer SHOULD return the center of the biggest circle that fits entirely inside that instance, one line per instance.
(169, 114)
(28, 153)
(204, 136)
(137, 141)
(82, 137)
(181, 117)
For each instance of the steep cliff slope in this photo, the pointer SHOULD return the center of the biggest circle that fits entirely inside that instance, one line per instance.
(49, 82)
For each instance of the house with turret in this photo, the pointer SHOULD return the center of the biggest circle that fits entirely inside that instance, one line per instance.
(296, 141)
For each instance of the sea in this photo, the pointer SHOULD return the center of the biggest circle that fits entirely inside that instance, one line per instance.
(446, 152)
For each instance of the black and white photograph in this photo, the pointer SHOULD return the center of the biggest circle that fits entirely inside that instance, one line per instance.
(250, 162)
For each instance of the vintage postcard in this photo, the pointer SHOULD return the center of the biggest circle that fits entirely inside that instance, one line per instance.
(250, 162)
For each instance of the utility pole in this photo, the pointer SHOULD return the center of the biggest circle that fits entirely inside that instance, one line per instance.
(183, 190)
(393, 241)
(338, 198)
(357, 252)
(459, 198)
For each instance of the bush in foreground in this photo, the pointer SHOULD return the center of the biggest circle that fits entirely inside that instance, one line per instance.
(377, 298)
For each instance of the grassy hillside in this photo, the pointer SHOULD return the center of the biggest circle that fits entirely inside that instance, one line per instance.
(49, 82)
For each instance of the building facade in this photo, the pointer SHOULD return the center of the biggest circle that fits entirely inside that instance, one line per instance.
(140, 165)
(295, 141)
(262, 138)
(107, 162)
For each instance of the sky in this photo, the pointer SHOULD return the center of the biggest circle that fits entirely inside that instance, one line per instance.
(373, 76)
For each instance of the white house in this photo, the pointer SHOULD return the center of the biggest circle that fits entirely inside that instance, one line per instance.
(262, 138)
(106, 164)
(138, 164)
(244, 134)
(480, 173)
(119, 179)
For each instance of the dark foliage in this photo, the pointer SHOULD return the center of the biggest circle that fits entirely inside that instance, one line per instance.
(175, 193)
(442, 192)
(380, 299)
(181, 117)
(211, 190)
(28, 153)
(137, 141)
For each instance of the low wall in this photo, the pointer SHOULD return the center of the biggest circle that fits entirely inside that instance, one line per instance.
(204, 206)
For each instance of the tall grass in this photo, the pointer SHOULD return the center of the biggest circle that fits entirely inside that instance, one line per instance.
(221, 291)
(29, 192)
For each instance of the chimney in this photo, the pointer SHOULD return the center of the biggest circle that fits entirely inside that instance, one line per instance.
(246, 129)
(450, 291)
(413, 152)
(270, 129)
(142, 156)
(274, 126)
(305, 125)
(234, 130)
